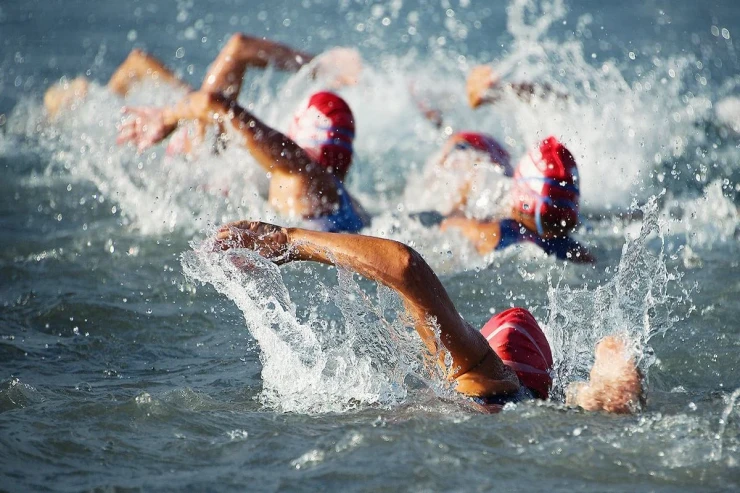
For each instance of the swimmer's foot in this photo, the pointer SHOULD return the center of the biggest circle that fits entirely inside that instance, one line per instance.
(65, 95)
(270, 241)
(615, 384)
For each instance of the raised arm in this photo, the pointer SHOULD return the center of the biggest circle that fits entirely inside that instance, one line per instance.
(475, 367)
(226, 73)
(484, 86)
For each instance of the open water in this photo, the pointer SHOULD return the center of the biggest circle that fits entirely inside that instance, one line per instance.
(132, 359)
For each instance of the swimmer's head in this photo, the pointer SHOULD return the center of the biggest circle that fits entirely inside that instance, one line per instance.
(472, 148)
(518, 340)
(546, 192)
(325, 128)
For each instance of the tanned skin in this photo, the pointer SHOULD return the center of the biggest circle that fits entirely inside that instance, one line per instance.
(476, 370)
(299, 187)
(484, 86)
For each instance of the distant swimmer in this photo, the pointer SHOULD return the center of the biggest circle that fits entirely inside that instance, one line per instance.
(485, 86)
(307, 166)
(544, 208)
(537, 201)
(508, 360)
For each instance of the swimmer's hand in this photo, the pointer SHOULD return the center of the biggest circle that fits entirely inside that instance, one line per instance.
(145, 127)
(338, 66)
(270, 241)
(615, 383)
(481, 86)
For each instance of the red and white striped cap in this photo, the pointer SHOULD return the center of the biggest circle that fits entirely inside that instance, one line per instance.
(325, 128)
(518, 340)
(546, 187)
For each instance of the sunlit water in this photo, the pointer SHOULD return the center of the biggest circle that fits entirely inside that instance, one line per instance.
(134, 357)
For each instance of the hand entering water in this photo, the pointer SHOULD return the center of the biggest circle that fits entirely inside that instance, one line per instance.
(615, 384)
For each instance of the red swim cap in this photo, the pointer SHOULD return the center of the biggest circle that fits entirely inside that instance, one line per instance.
(546, 187)
(484, 143)
(325, 128)
(517, 339)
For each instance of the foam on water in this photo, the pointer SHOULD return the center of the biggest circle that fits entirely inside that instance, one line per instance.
(643, 299)
(315, 365)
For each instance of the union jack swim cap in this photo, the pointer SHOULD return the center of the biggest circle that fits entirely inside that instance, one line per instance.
(325, 128)
(546, 187)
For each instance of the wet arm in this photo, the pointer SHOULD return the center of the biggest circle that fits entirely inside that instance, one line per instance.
(273, 150)
(241, 52)
(476, 369)
(401, 268)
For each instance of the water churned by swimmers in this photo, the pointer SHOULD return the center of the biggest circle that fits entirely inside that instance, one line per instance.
(538, 203)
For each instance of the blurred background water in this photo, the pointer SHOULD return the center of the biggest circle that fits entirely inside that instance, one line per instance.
(130, 358)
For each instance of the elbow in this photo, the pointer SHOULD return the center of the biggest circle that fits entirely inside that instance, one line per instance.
(238, 40)
(410, 266)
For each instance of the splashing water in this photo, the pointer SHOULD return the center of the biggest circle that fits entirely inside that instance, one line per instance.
(636, 303)
(361, 357)
(605, 121)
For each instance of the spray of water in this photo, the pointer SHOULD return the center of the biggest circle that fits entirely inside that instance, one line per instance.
(362, 356)
(638, 303)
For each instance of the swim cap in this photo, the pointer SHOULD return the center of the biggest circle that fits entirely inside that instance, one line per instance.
(325, 128)
(486, 144)
(517, 339)
(546, 187)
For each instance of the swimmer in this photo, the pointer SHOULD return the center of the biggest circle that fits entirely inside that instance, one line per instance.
(466, 160)
(544, 208)
(509, 359)
(307, 166)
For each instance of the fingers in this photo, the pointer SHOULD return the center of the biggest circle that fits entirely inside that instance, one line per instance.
(268, 240)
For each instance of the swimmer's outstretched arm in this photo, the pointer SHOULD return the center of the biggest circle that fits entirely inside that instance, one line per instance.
(138, 66)
(477, 370)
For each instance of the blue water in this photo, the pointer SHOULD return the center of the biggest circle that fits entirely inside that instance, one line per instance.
(131, 359)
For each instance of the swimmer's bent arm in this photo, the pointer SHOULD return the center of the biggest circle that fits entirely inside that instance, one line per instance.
(273, 150)
(226, 73)
(477, 370)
